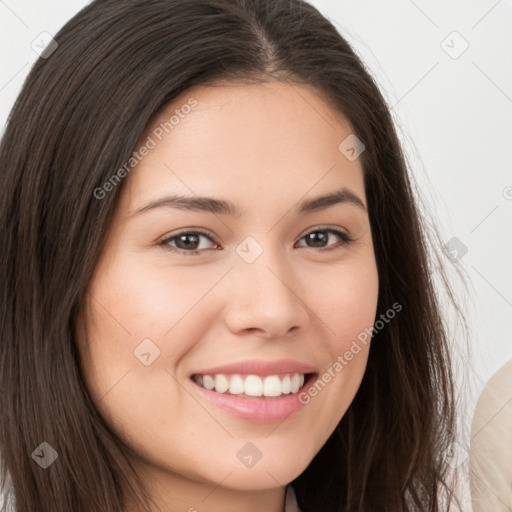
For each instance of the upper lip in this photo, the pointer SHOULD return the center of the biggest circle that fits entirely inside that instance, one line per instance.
(259, 367)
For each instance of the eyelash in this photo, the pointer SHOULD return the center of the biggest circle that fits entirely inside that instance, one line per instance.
(346, 240)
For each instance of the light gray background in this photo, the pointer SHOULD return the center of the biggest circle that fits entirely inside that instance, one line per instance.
(453, 113)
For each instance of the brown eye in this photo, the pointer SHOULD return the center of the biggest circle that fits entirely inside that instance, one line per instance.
(319, 239)
(186, 242)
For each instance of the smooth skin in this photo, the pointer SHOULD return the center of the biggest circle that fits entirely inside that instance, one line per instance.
(266, 148)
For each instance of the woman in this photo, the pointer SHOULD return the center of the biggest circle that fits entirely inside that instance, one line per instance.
(218, 294)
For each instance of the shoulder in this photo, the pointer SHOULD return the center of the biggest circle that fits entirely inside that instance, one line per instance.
(491, 444)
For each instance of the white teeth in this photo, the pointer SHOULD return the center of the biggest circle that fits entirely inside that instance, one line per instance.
(208, 382)
(236, 385)
(221, 383)
(272, 386)
(295, 383)
(286, 385)
(252, 385)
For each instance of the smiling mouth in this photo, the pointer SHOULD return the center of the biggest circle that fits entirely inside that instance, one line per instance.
(254, 386)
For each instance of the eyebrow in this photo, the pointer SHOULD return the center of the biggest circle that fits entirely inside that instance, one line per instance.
(224, 207)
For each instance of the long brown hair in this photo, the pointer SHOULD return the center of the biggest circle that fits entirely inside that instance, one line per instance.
(77, 120)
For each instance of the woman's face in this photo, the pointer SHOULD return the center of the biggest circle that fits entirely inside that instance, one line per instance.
(268, 291)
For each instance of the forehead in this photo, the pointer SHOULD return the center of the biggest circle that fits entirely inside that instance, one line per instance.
(251, 141)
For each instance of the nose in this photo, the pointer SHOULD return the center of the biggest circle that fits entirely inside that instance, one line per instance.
(266, 298)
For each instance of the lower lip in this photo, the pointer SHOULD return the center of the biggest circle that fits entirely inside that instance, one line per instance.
(257, 409)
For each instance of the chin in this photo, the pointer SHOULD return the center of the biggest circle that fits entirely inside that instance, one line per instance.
(265, 475)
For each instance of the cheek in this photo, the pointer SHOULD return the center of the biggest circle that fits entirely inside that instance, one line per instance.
(125, 310)
(345, 301)
(130, 303)
(146, 300)
(346, 304)
(356, 302)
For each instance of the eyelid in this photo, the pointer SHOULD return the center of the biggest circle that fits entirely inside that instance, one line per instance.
(326, 227)
(190, 230)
